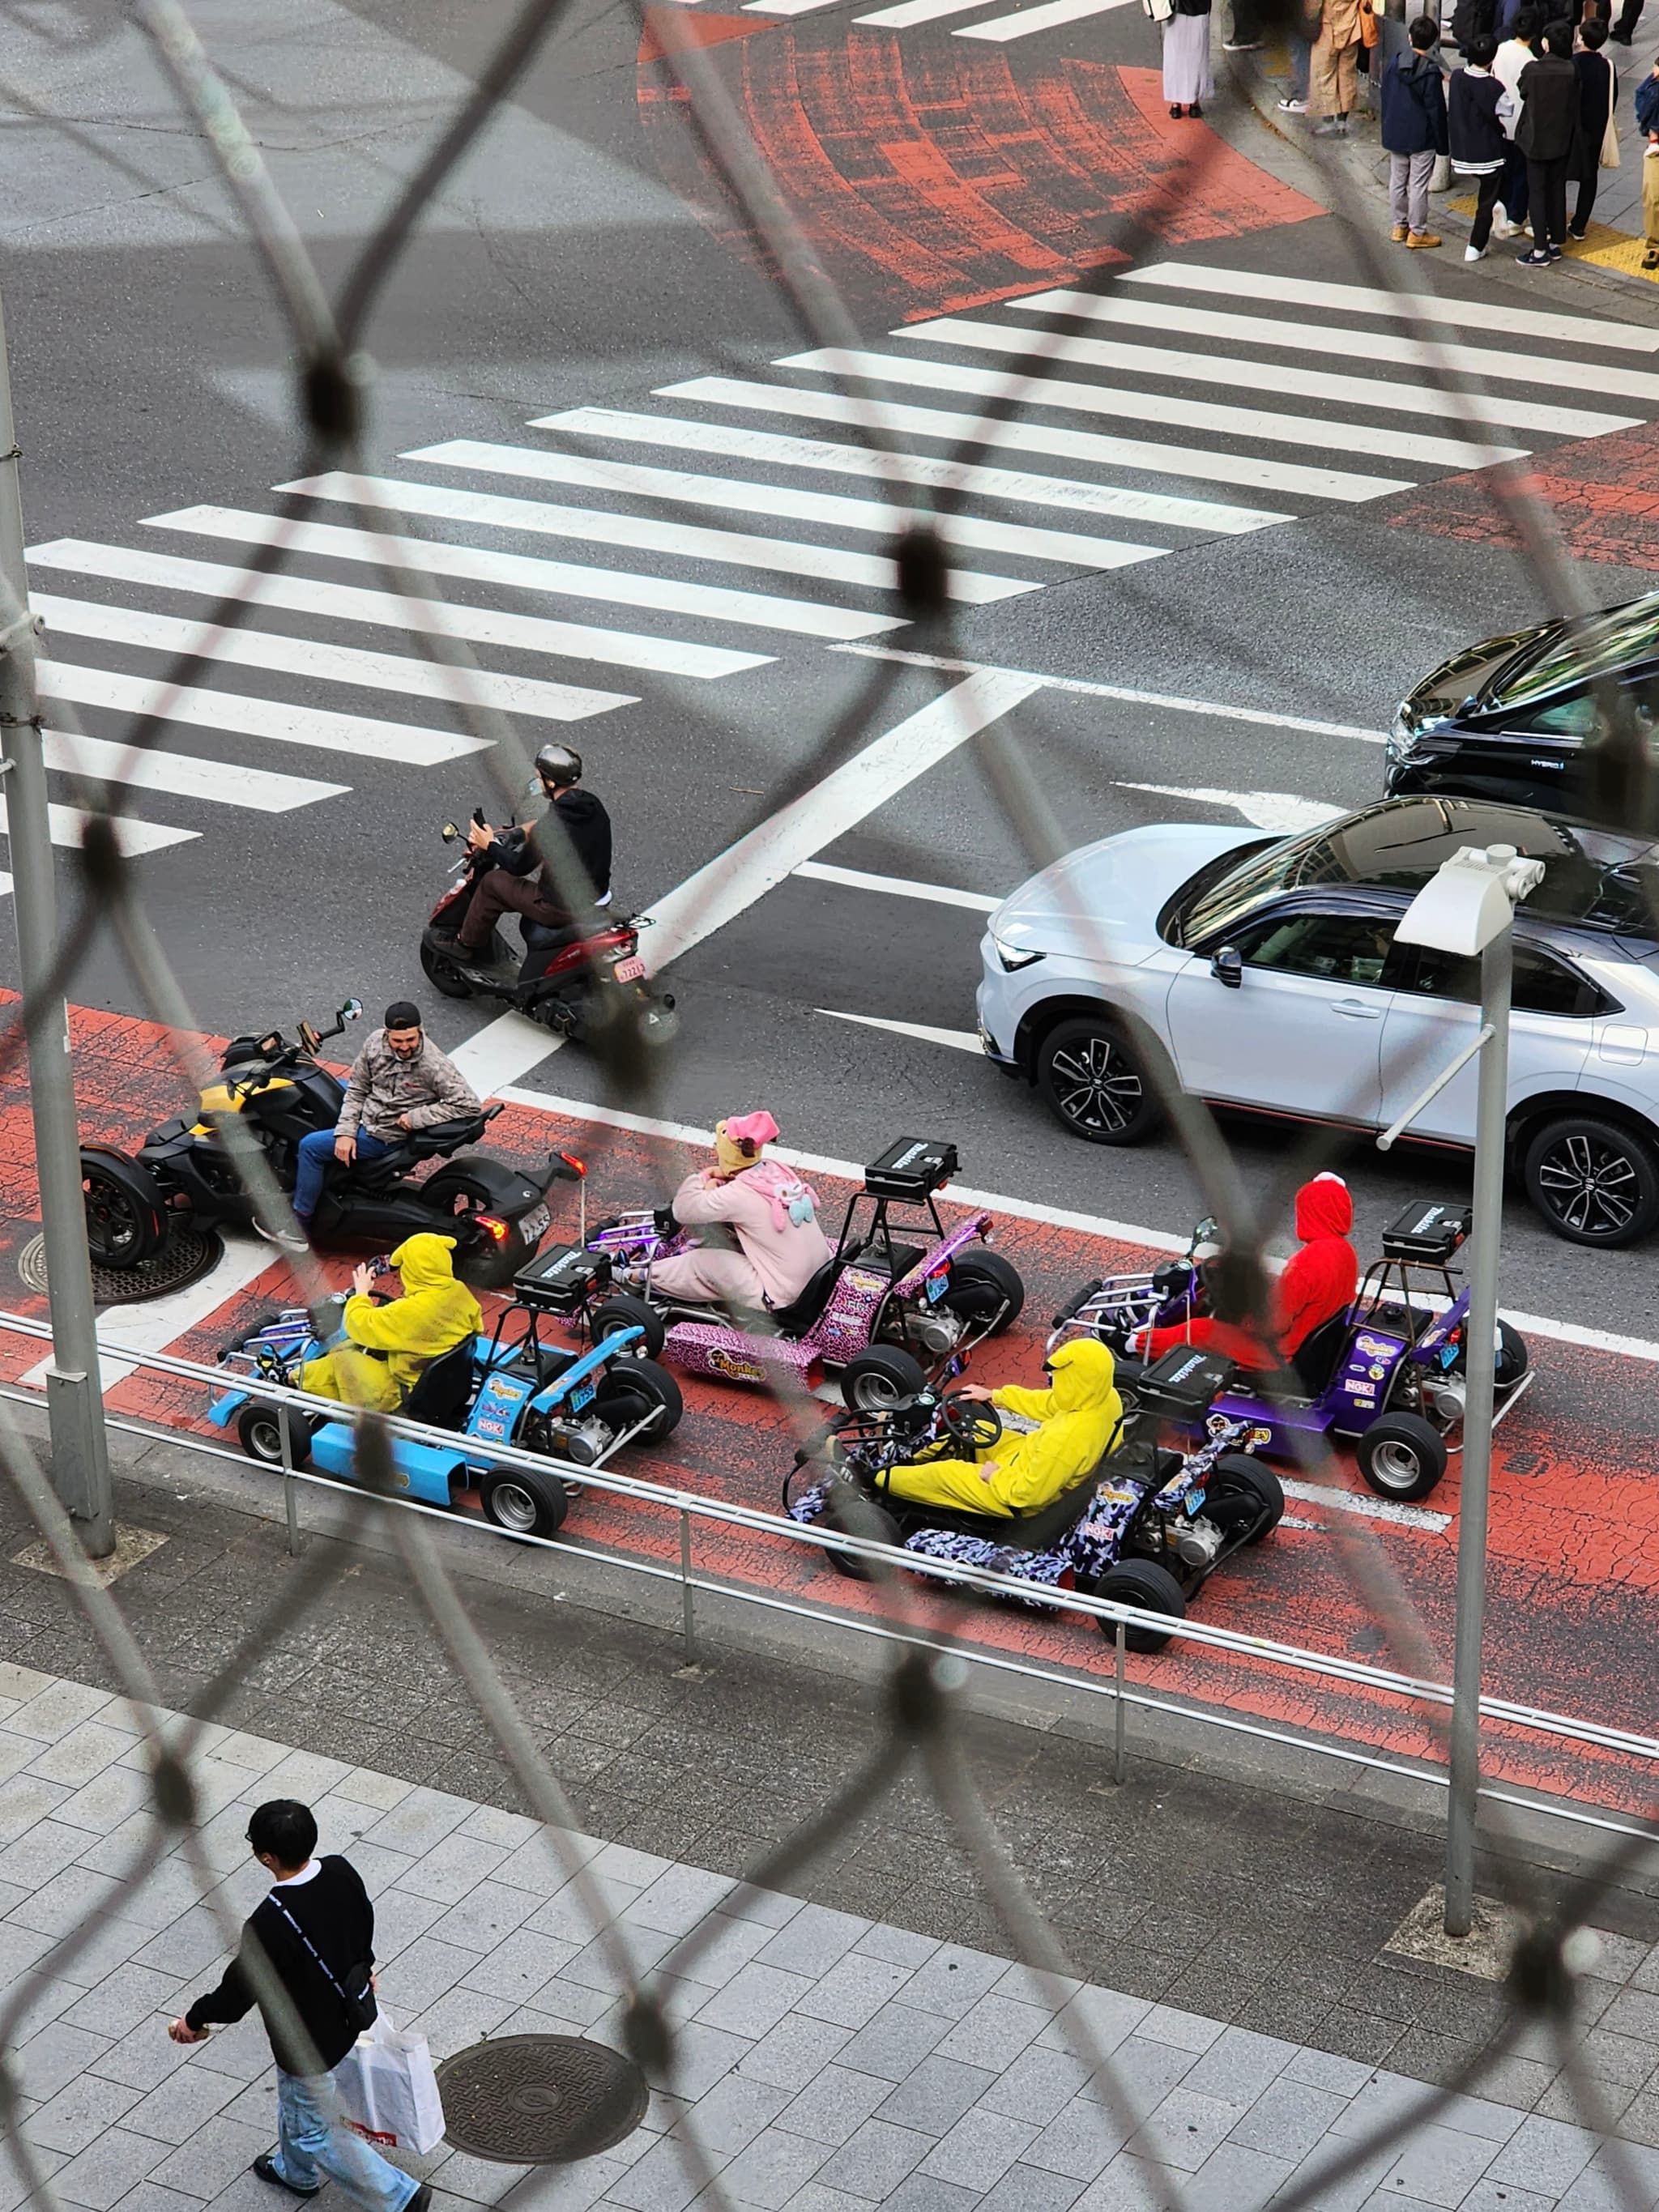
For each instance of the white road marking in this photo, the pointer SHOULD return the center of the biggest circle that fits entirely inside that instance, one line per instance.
(1281, 810)
(1403, 306)
(526, 572)
(66, 826)
(901, 886)
(1239, 373)
(958, 1040)
(1025, 20)
(917, 11)
(504, 1050)
(1039, 388)
(330, 664)
(742, 443)
(1215, 709)
(1538, 371)
(158, 1323)
(219, 783)
(684, 541)
(875, 517)
(1201, 463)
(351, 602)
(1365, 1507)
(358, 734)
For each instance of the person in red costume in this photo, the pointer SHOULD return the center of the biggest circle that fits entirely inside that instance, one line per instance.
(1318, 1281)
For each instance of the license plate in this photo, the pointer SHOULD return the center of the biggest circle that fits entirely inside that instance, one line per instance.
(534, 1223)
(629, 971)
(583, 1395)
(937, 1287)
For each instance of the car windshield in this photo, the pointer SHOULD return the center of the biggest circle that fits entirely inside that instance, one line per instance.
(1591, 878)
(1599, 647)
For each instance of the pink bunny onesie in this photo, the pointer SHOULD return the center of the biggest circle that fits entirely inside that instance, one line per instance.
(774, 1217)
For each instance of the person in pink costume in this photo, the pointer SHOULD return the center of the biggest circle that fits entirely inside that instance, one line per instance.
(767, 1209)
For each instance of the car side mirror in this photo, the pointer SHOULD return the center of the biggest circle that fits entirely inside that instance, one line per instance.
(1228, 967)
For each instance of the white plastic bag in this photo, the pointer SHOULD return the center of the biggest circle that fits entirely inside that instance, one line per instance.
(389, 2090)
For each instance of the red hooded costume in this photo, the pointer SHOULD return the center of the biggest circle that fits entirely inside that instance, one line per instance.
(1318, 1281)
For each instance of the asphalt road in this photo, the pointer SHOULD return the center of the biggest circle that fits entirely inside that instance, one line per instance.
(559, 272)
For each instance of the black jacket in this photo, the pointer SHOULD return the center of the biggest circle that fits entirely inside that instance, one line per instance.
(333, 1909)
(586, 824)
(1548, 129)
(1413, 104)
(1595, 95)
(1476, 134)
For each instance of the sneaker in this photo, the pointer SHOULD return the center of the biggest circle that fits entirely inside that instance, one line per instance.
(1538, 259)
(1293, 106)
(1332, 129)
(1553, 251)
(266, 2166)
(1399, 234)
(1574, 233)
(421, 2201)
(1474, 253)
(285, 1240)
(1241, 45)
(1503, 227)
(1422, 238)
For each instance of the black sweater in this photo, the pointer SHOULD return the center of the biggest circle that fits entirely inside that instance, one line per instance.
(334, 1911)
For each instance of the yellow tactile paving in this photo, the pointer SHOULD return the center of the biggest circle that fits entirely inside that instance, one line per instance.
(1602, 246)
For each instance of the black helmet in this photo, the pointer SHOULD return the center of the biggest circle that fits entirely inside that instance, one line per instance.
(559, 765)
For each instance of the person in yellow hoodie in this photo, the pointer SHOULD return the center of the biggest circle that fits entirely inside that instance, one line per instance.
(387, 1346)
(1080, 1414)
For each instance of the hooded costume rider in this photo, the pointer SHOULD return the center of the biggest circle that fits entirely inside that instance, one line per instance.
(434, 1314)
(1080, 1415)
(766, 1207)
(1318, 1281)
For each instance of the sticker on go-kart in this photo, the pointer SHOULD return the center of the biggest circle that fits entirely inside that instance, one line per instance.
(1376, 1347)
(1377, 1373)
(735, 1367)
(938, 1285)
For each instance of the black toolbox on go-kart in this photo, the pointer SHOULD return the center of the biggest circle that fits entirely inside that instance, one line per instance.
(1427, 1233)
(913, 1169)
(1183, 1383)
(563, 1280)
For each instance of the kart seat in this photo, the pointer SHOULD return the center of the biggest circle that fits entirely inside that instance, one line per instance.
(799, 1315)
(1314, 1361)
(1021, 1532)
(443, 1389)
(874, 1255)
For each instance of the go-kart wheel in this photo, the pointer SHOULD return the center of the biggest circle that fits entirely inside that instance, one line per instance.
(971, 1424)
(1595, 1182)
(635, 1390)
(980, 1282)
(621, 1311)
(443, 973)
(1249, 1493)
(848, 1512)
(1401, 1456)
(877, 1380)
(1095, 1083)
(259, 1432)
(1141, 1583)
(527, 1505)
(1512, 1358)
(124, 1224)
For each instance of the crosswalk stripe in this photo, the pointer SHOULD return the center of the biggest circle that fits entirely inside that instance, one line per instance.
(1041, 390)
(1365, 345)
(66, 826)
(1025, 20)
(917, 11)
(528, 573)
(1240, 373)
(360, 735)
(1194, 462)
(859, 880)
(333, 664)
(924, 1032)
(218, 782)
(391, 609)
(686, 541)
(734, 493)
(1402, 307)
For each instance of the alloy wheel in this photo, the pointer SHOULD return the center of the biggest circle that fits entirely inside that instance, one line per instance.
(1094, 1087)
(1591, 1186)
(1396, 1466)
(513, 1507)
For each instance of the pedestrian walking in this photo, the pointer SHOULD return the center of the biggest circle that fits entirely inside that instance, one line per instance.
(1413, 111)
(1647, 122)
(1513, 55)
(1475, 135)
(1188, 80)
(1598, 89)
(1624, 29)
(1547, 134)
(313, 1937)
(1333, 66)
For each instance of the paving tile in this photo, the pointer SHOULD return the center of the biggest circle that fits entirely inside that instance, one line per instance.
(1547, 2155)
(81, 2112)
(517, 1970)
(1129, 2185)
(815, 2197)
(1386, 2098)
(1634, 2012)
(1239, 2065)
(733, 2112)
(487, 1916)
(812, 1941)
(1234, 2179)
(921, 2192)
(1439, 2165)
(85, 1752)
(754, 2000)
(1049, 1993)
(65, 1899)
(101, 2175)
(1504, 2197)
(1288, 2118)
(1188, 2031)
(25, 1799)
(1184, 2130)
(55, 2055)
(665, 2180)
(769, 1906)
(175, 2108)
(1079, 2141)
(701, 2056)
(363, 1786)
(834, 2107)
(147, 2198)
(895, 2039)
(953, 1980)
(401, 1919)
(874, 2161)
(713, 1952)
(1038, 2085)
(1101, 2017)
(773, 2169)
(510, 1831)
(122, 2000)
(855, 1989)
(795, 2052)
(450, 1870)
(420, 1822)
(215, 2156)
(1031, 2189)
(57, 1710)
(1141, 2076)
(897, 1946)
(421, 1972)
(680, 1900)
(595, 1967)
(188, 1948)
(994, 2032)
(1348, 2191)
(105, 1948)
(979, 2149)
(571, 2003)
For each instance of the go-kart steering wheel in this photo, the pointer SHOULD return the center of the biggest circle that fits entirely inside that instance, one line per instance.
(973, 1424)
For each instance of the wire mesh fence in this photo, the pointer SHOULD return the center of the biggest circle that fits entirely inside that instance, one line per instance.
(328, 330)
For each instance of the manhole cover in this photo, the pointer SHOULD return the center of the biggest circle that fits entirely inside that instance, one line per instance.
(539, 2100)
(189, 1255)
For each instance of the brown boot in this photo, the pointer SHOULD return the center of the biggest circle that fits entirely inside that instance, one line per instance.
(1399, 234)
(1421, 238)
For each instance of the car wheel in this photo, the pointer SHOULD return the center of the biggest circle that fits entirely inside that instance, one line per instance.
(1593, 1181)
(635, 1390)
(980, 1282)
(848, 1512)
(1401, 1456)
(1251, 1491)
(524, 1503)
(1095, 1083)
(259, 1432)
(1141, 1583)
(876, 1380)
(620, 1311)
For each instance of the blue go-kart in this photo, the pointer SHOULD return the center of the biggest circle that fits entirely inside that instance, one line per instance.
(511, 1388)
(1387, 1373)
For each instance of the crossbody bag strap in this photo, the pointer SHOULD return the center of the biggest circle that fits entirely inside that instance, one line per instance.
(312, 1947)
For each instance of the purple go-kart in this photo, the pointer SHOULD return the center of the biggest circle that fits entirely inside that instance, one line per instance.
(1387, 1373)
(892, 1315)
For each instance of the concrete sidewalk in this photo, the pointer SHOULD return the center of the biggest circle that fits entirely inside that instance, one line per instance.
(828, 2062)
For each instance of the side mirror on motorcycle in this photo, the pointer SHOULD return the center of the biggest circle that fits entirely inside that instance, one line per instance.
(351, 1011)
(450, 832)
(1228, 967)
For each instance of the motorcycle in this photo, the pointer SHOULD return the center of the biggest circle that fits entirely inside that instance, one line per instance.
(578, 982)
(184, 1175)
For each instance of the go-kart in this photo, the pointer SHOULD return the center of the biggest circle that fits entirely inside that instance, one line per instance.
(514, 1388)
(1146, 1527)
(890, 1315)
(1386, 1373)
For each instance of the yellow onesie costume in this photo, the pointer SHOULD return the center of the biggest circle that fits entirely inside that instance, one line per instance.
(1079, 1416)
(434, 1314)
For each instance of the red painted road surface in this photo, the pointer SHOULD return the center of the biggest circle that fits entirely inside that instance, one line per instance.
(1575, 1521)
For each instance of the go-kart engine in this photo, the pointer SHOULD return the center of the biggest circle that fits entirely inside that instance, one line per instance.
(1443, 1398)
(584, 1443)
(1194, 1543)
(935, 1334)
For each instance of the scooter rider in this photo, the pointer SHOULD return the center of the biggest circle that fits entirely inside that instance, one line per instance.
(521, 881)
(399, 1082)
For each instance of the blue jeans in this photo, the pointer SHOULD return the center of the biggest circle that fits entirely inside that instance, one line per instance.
(309, 2148)
(316, 1151)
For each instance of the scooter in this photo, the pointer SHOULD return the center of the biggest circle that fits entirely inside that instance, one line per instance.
(576, 981)
(184, 1177)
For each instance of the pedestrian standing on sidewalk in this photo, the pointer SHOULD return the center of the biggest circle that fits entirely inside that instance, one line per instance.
(1624, 29)
(1647, 122)
(1513, 55)
(315, 1934)
(1598, 89)
(1475, 135)
(1333, 66)
(1301, 30)
(1244, 35)
(1413, 109)
(1188, 80)
(1547, 134)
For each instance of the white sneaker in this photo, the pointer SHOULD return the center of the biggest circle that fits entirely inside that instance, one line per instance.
(1474, 253)
(1293, 107)
(1503, 227)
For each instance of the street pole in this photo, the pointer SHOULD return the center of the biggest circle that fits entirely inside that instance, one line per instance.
(1480, 1374)
(75, 1403)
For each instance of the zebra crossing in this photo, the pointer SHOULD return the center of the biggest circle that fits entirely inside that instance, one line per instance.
(1000, 27)
(664, 549)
